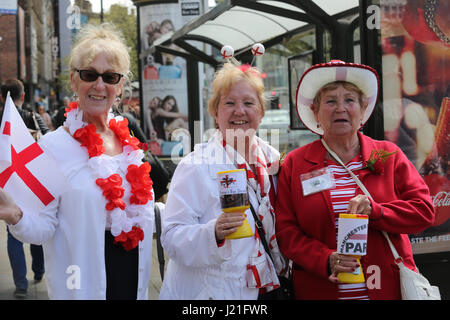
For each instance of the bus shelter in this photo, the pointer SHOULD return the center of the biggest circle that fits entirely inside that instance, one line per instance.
(404, 40)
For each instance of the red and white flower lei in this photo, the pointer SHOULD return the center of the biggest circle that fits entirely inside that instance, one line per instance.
(128, 220)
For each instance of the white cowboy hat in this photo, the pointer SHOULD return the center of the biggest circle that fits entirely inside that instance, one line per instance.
(362, 76)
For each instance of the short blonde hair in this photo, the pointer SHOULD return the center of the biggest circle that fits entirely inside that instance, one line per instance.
(334, 85)
(94, 39)
(230, 74)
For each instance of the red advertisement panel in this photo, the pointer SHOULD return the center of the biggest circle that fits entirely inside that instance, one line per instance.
(416, 65)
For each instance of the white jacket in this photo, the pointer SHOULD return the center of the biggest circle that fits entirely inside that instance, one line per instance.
(72, 228)
(198, 268)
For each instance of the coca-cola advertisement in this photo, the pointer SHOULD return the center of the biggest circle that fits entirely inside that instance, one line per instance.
(416, 59)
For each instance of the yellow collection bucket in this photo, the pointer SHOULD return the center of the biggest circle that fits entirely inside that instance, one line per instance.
(234, 198)
(352, 240)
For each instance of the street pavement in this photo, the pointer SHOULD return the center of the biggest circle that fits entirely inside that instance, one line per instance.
(38, 291)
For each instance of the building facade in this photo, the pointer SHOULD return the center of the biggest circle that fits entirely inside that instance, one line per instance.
(30, 49)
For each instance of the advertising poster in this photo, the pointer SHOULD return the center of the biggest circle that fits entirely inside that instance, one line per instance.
(163, 76)
(416, 74)
(8, 7)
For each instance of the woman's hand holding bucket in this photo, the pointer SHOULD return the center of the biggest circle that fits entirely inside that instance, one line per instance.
(227, 223)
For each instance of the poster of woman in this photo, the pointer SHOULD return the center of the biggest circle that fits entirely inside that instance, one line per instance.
(163, 76)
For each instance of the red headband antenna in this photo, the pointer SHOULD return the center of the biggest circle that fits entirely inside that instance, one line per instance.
(257, 50)
(227, 52)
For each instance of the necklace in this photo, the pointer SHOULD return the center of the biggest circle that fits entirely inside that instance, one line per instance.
(127, 220)
(429, 14)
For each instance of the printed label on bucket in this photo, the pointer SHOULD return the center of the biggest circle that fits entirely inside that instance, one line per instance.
(232, 182)
(233, 188)
(352, 234)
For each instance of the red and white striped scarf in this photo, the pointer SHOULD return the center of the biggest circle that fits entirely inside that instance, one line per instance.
(260, 270)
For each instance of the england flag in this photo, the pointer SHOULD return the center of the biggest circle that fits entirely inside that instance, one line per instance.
(27, 174)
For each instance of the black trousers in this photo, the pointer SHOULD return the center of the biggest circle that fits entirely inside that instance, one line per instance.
(121, 270)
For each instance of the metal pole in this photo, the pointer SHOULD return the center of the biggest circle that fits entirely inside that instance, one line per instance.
(101, 11)
(193, 96)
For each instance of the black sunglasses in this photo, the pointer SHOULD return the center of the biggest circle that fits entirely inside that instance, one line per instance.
(107, 77)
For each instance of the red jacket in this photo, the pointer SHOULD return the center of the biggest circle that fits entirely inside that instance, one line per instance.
(306, 232)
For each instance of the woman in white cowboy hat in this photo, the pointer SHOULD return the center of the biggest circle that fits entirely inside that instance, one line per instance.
(334, 100)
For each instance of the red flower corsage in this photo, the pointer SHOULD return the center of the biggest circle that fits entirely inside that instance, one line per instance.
(143, 146)
(377, 159)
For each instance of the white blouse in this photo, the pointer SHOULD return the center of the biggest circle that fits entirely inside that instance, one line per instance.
(198, 267)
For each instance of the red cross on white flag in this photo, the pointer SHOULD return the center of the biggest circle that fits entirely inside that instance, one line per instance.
(27, 174)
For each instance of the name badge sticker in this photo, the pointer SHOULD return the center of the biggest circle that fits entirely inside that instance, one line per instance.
(317, 181)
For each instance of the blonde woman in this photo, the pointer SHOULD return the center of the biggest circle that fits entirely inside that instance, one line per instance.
(203, 264)
(97, 236)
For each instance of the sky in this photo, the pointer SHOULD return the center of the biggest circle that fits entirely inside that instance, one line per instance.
(108, 3)
(128, 3)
